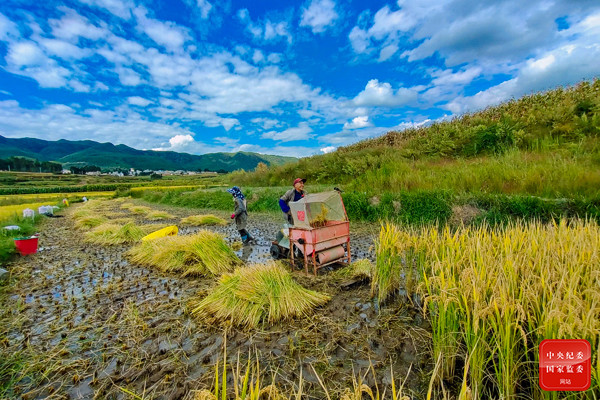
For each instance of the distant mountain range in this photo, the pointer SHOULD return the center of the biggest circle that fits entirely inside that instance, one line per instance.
(107, 155)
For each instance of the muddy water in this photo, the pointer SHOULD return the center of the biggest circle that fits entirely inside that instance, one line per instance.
(85, 323)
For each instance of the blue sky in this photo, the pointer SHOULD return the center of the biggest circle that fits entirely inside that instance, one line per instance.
(278, 77)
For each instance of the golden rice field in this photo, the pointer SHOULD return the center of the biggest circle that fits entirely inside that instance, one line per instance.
(492, 295)
(10, 211)
(55, 197)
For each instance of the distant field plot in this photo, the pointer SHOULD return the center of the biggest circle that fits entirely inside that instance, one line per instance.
(10, 211)
(15, 199)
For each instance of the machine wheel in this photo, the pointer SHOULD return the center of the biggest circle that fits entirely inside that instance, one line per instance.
(275, 252)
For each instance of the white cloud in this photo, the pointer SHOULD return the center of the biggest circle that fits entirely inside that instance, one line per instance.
(267, 30)
(358, 123)
(7, 28)
(72, 26)
(301, 132)
(265, 123)
(274, 58)
(138, 101)
(59, 121)
(328, 149)
(166, 34)
(378, 94)
(258, 56)
(561, 66)
(128, 77)
(177, 143)
(120, 8)
(25, 53)
(204, 7)
(319, 15)
(63, 49)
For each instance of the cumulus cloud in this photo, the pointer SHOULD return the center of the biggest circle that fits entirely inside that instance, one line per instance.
(166, 34)
(319, 15)
(301, 132)
(138, 101)
(328, 149)
(177, 143)
(358, 123)
(382, 94)
(267, 30)
(481, 31)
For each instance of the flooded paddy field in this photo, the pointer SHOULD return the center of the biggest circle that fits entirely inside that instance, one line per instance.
(80, 321)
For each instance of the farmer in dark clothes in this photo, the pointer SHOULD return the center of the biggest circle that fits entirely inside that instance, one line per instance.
(294, 194)
(240, 214)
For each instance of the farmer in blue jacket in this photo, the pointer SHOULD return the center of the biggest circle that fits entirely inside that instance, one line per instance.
(294, 194)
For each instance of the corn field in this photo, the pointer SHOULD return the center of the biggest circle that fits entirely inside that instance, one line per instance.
(492, 295)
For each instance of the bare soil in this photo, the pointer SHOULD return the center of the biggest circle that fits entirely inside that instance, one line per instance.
(79, 321)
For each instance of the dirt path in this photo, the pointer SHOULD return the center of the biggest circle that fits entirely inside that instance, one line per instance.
(81, 322)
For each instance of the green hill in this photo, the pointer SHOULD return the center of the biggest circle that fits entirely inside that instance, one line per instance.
(534, 157)
(107, 155)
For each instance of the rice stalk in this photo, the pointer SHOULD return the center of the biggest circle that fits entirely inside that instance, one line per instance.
(89, 222)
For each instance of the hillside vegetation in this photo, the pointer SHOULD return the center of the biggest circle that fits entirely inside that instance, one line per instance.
(546, 144)
(535, 157)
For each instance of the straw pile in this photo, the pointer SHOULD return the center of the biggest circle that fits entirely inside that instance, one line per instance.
(257, 294)
(90, 221)
(204, 253)
(321, 218)
(109, 233)
(199, 220)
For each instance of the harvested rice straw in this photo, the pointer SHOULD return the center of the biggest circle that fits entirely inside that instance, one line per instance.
(204, 253)
(109, 233)
(258, 294)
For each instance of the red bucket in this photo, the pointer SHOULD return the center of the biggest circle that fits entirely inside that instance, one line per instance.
(27, 245)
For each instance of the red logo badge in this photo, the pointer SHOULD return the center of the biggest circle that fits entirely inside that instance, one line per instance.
(565, 364)
(300, 215)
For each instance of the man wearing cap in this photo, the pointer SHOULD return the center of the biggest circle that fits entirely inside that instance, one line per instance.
(294, 194)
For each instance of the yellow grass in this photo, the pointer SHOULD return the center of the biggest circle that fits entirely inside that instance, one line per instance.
(494, 294)
(258, 294)
(204, 253)
(199, 220)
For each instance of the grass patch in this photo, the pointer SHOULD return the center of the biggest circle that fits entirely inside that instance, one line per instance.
(258, 294)
(204, 253)
(110, 234)
(199, 220)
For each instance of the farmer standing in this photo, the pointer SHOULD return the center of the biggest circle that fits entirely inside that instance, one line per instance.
(294, 194)
(240, 214)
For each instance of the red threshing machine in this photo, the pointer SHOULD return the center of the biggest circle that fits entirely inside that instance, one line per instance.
(320, 234)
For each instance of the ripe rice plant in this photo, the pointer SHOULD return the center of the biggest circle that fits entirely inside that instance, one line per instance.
(7, 212)
(493, 295)
(140, 210)
(199, 220)
(159, 215)
(110, 234)
(204, 253)
(258, 294)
